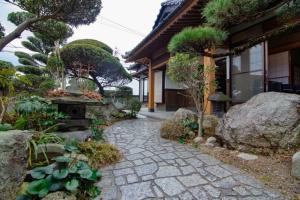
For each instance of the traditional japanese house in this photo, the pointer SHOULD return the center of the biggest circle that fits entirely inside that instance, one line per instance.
(272, 65)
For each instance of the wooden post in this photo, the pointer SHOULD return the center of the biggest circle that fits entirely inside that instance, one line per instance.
(151, 88)
(209, 66)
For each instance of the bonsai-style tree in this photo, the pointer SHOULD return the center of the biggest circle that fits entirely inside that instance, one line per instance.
(93, 60)
(37, 14)
(43, 43)
(188, 71)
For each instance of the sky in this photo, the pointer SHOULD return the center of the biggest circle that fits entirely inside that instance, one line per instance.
(121, 24)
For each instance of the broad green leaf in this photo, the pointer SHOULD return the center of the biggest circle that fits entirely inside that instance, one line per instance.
(60, 174)
(41, 172)
(85, 173)
(73, 169)
(82, 165)
(72, 185)
(39, 188)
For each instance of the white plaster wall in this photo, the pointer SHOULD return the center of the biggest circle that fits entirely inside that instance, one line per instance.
(158, 78)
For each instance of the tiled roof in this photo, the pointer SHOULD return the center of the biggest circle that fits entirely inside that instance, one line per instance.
(171, 2)
(167, 8)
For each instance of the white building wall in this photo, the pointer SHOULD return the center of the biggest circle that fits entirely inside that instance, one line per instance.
(158, 92)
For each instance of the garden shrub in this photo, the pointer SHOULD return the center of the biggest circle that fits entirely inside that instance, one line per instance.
(135, 107)
(36, 113)
(5, 127)
(100, 154)
(171, 129)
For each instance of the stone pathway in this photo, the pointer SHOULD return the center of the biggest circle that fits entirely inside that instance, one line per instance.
(154, 168)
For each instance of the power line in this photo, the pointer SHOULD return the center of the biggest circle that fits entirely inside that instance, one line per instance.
(118, 28)
(125, 27)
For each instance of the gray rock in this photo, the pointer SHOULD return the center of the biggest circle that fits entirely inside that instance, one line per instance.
(248, 157)
(13, 162)
(59, 196)
(182, 114)
(267, 121)
(51, 148)
(296, 165)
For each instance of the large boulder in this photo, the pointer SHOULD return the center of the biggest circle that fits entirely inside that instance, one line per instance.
(182, 114)
(296, 165)
(267, 122)
(13, 162)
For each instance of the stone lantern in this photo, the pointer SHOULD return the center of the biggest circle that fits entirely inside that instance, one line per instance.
(219, 101)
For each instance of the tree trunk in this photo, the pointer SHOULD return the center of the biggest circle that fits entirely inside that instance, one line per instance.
(17, 32)
(3, 110)
(101, 89)
(200, 124)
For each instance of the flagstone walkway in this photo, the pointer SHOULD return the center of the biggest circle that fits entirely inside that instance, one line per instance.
(154, 168)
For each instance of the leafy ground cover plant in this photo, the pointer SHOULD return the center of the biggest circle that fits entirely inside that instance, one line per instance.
(66, 174)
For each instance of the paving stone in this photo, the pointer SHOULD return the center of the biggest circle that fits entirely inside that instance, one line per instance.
(137, 191)
(135, 156)
(138, 162)
(125, 164)
(109, 193)
(241, 190)
(147, 160)
(146, 169)
(181, 162)
(132, 178)
(229, 198)
(228, 182)
(186, 196)
(120, 181)
(185, 154)
(121, 172)
(170, 186)
(199, 193)
(208, 160)
(194, 162)
(187, 170)
(148, 154)
(158, 192)
(167, 171)
(213, 192)
(248, 181)
(168, 156)
(218, 171)
(135, 150)
(148, 177)
(192, 180)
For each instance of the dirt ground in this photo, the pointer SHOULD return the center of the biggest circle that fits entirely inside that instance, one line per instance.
(274, 171)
